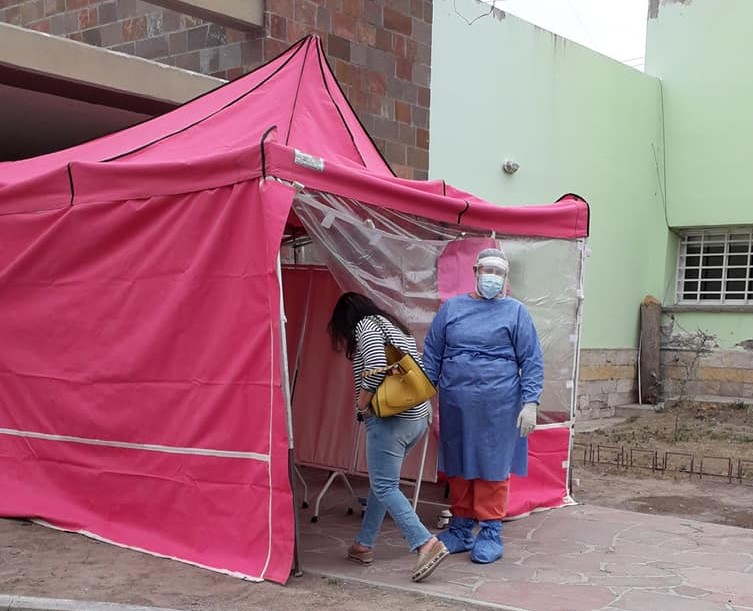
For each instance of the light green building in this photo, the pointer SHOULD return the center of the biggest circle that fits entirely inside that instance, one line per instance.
(659, 156)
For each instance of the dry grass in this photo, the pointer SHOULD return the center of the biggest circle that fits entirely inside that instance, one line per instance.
(714, 430)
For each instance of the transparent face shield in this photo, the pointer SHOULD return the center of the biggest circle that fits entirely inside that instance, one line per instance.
(491, 280)
(491, 270)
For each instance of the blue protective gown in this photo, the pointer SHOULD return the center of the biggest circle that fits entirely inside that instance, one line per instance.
(485, 357)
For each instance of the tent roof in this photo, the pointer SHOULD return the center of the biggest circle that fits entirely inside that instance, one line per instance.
(254, 126)
(296, 92)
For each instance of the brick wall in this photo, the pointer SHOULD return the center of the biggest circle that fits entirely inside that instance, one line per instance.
(142, 29)
(380, 51)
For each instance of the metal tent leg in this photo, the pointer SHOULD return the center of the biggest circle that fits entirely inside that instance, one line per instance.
(296, 569)
(417, 491)
(330, 480)
(298, 474)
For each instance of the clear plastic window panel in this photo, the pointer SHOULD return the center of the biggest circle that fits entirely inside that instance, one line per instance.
(392, 257)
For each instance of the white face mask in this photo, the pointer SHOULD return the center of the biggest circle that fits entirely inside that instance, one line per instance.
(489, 285)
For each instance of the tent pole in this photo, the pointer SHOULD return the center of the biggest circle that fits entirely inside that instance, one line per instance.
(285, 378)
(296, 366)
(584, 253)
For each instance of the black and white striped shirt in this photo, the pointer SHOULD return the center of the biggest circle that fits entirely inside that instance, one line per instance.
(369, 354)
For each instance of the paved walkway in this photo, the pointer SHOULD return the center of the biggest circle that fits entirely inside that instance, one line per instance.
(581, 558)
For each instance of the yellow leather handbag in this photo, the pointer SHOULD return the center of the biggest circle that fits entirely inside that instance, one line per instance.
(406, 384)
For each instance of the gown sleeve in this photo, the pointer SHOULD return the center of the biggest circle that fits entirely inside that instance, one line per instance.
(434, 345)
(529, 356)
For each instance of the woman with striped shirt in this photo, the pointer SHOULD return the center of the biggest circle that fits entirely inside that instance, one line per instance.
(361, 328)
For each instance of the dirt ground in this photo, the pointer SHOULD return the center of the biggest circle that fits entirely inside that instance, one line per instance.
(41, 562)
(711, 430)
(701, 431)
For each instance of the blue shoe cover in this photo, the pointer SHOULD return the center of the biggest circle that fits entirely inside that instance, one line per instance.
(488, 547)
(459, 535)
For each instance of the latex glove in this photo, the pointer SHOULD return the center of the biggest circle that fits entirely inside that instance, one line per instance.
(527, 419)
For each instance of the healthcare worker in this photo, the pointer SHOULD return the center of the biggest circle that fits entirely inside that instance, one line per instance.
(483, 353)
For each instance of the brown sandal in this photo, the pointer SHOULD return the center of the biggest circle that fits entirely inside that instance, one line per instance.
(364, 558)
(429, 561)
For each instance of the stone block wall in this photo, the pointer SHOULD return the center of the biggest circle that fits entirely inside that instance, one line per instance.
(380, 51)
(720, 373)
(608, 378)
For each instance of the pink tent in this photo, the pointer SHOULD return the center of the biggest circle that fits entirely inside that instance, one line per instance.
(144, 397)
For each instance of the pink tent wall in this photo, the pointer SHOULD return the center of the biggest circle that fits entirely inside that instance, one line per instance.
(136, 336)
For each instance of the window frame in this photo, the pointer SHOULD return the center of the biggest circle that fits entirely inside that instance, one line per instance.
(705, 258)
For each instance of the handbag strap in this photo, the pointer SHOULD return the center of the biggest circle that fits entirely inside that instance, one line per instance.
(376, 319)
(377, 370)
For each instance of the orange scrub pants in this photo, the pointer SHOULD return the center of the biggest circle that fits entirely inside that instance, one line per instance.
(480, 499)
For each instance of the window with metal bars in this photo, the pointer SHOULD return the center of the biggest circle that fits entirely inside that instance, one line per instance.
(715, 266)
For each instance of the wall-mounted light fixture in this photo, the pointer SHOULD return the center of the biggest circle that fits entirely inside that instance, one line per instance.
(510, 167)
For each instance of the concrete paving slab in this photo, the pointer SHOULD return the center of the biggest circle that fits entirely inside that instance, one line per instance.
(581, 558)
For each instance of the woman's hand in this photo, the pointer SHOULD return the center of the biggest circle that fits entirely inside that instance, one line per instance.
(364, 400)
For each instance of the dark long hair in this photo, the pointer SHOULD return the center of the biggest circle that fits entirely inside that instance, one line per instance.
(347, 313)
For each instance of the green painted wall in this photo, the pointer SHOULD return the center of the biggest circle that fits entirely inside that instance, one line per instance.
(575, 121)
(724, 327)
(702, 52)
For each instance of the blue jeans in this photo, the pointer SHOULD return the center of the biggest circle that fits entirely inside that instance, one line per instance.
(388, 441)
